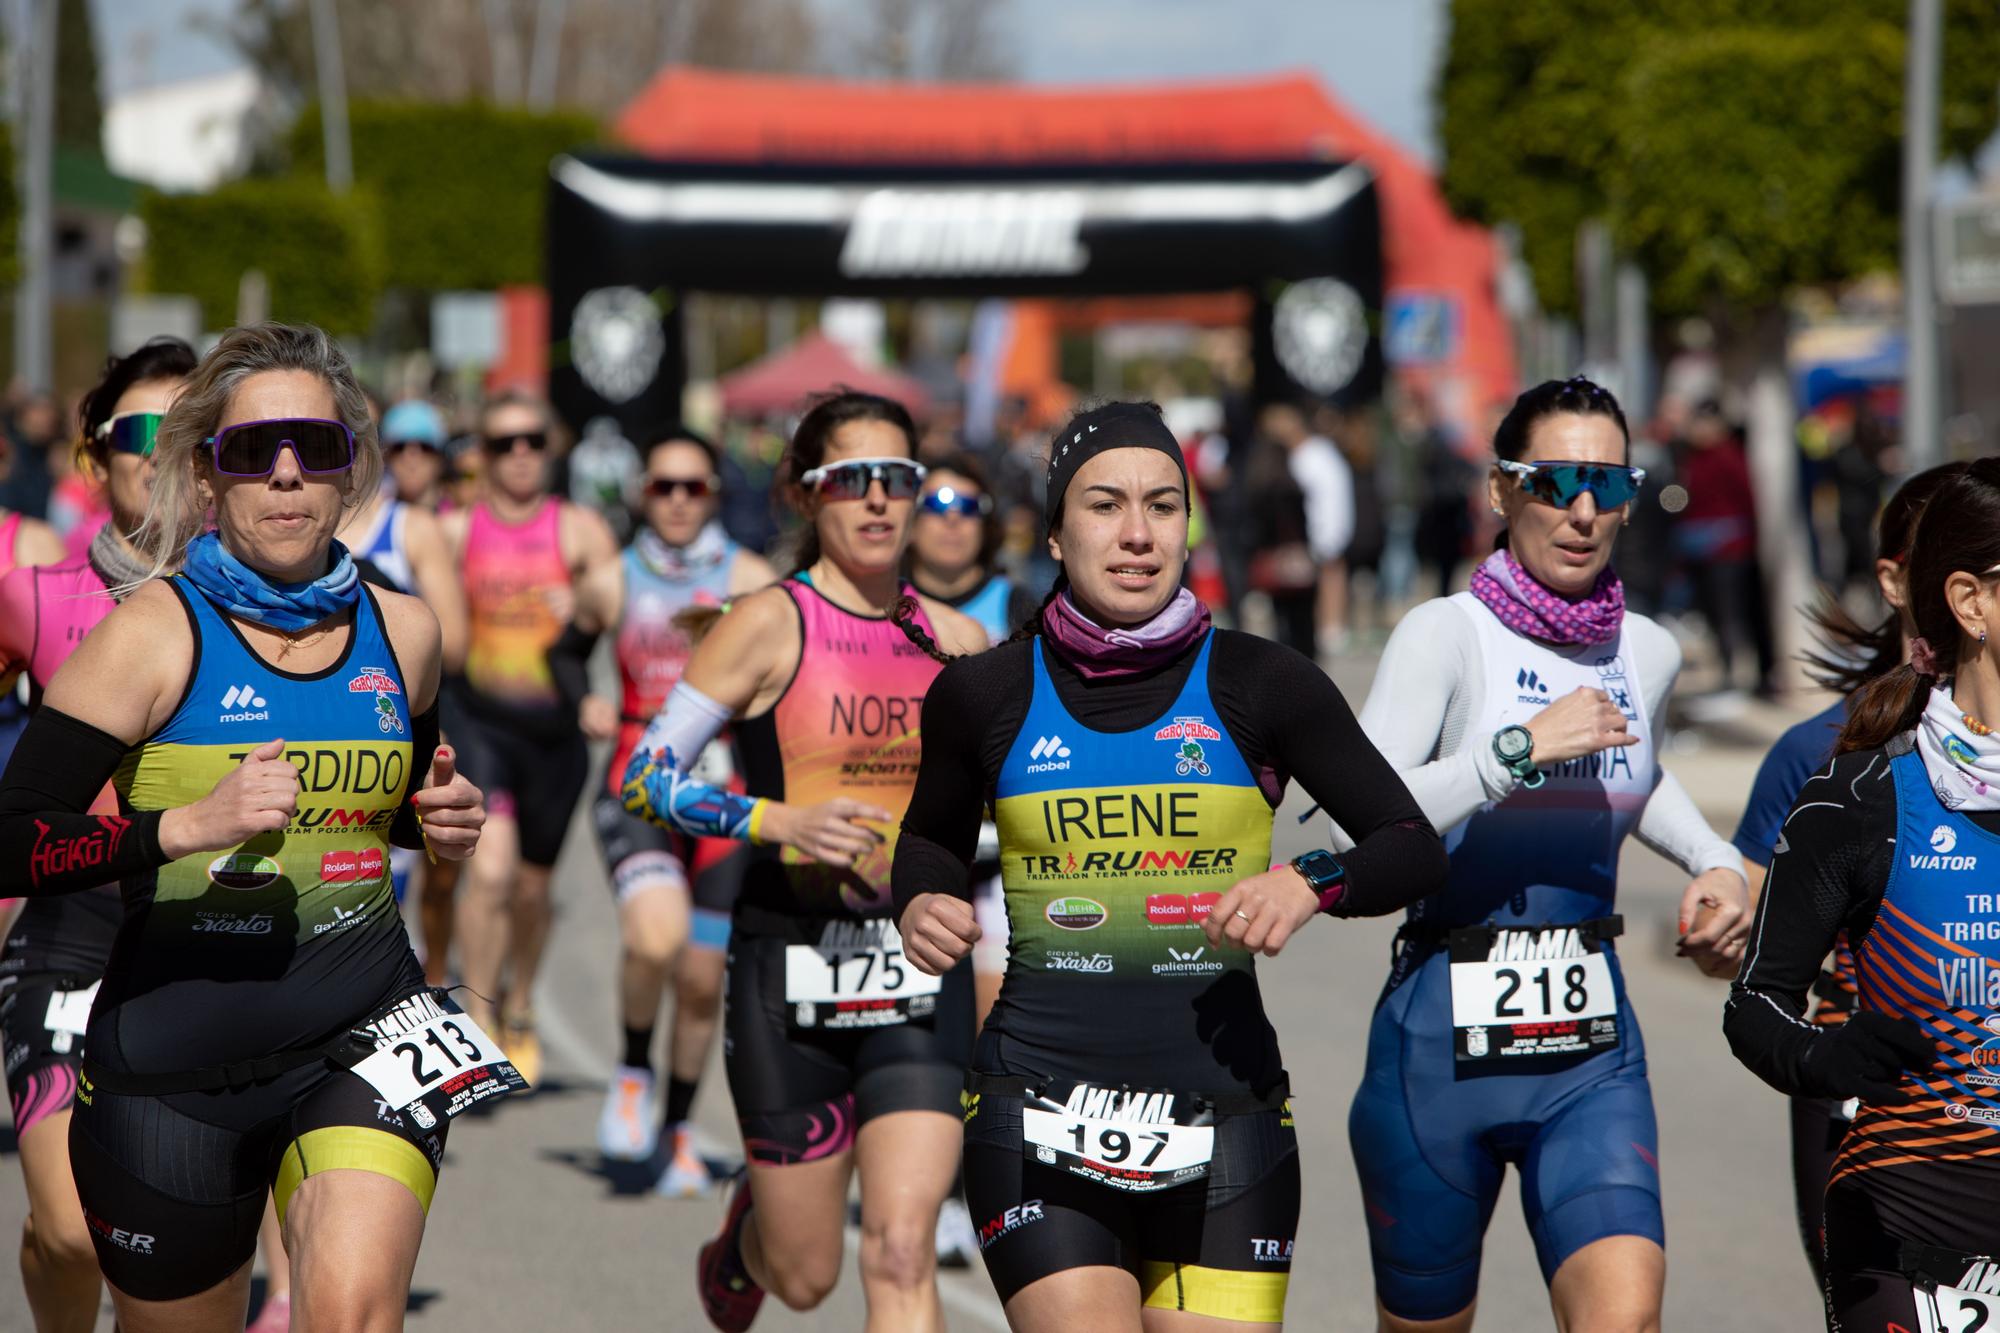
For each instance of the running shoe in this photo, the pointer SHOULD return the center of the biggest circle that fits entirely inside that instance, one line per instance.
(686, 1176)
(625, 1128)
(728, 1293)
(275, 1317)
(957, 1242)
(523, 1047)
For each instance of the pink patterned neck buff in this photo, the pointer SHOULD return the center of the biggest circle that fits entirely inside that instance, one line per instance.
(1097, 652)
(1526, 606)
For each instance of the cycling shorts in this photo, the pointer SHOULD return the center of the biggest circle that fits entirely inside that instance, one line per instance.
(639, 855)
(1220, 1247)
(801, 1095)
(1818, 1126)
(1884, 1276)
(532, 775)
(1432, 1148)
(39, 1018)
(173, 1187)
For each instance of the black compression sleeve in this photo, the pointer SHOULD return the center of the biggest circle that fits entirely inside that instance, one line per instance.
(48, 838)
(1833, 859)
(569, 663)
(424, 733)
(970, 716)
(1294, 719)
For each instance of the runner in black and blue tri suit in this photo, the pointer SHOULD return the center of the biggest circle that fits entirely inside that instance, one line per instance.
(1856, 657)
(1129, 1142)
(1522, 715)
(1894, 844)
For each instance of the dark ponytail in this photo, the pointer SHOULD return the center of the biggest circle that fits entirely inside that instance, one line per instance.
(1851, 654)
(807, 450)
(1957, 532)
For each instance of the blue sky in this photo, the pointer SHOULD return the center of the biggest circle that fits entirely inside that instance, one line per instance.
(1379, 56)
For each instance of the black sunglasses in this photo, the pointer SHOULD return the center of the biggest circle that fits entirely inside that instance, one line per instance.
(537, 440)
(398, 446)
(251, 448)
(695, 488)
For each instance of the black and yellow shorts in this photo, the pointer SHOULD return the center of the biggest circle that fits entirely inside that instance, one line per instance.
(173, 1186)
(1220, 1247)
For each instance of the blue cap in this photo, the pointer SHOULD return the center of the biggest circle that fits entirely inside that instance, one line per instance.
(413, 419)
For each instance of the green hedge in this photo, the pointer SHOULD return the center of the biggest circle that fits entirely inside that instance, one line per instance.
(463, 189)
(322, 255)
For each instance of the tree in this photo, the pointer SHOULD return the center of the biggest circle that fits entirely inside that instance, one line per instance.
(79, 108)
(1738, 147)
(945, 40)
(444, 50)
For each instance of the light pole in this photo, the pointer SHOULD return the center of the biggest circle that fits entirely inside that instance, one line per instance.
(35, 70)
(1922, 386)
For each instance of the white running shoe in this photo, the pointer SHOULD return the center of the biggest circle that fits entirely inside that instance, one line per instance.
(625, 1128)
(957, 1242)
(686, 1176)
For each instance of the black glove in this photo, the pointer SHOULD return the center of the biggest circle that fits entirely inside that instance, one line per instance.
(1865, 1057)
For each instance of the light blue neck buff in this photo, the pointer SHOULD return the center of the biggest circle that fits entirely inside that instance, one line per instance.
(289, 607)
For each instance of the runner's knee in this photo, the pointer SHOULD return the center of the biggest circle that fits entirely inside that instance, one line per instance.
(901, 1252)
(803, 1281)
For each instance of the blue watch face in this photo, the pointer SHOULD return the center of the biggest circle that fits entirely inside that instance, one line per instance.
(1321, 868)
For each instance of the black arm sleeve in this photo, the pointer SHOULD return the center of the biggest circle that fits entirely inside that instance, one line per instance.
(1294, 719)
(569, 663)
(971, 714)
(1834, 854)
(48, 839)
(424, 733)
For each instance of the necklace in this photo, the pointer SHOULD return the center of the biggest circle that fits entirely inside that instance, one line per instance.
(1975, 726)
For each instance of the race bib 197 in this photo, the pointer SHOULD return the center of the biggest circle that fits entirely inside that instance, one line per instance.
(431, 1062)
(1135, 1141)
(1543, 990)
(855, 977)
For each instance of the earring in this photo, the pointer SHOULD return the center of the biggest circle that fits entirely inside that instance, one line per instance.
(1498, 512)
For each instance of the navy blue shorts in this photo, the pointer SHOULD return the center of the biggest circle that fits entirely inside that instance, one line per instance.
(1432, 1147)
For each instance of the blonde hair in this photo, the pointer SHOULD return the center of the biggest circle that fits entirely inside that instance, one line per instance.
(179, 510)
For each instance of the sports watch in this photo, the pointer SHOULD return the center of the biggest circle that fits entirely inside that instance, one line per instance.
(1514, 747)
(1326, 876)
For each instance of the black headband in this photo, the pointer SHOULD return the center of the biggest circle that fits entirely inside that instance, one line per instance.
(1113, 426)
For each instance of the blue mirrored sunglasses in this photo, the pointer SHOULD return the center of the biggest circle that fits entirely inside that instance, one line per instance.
(1560, 483)
(949, 500)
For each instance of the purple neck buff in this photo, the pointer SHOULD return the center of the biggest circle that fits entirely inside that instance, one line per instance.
(1097, 652)
(1526, 606)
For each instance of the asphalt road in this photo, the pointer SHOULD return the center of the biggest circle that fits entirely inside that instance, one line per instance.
(531, 1231)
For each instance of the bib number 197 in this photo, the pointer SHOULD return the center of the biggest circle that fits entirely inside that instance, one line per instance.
(1131, 1141)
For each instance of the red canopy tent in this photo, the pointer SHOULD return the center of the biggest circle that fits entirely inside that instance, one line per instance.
(754, 118)
(780, 382)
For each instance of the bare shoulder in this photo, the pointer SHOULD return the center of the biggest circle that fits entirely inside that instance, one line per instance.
(128, 674)
(587, 540)
(36, 543)
(413, 632)
(957, 633)
(455, 526)
(750, 572)
(759, 614)
(421, 527)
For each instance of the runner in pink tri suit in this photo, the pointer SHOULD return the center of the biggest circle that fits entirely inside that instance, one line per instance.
(56, 951)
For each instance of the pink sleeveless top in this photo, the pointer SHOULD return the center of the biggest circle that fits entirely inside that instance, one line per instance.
(847, 725)
(48, 609)
(509, 570)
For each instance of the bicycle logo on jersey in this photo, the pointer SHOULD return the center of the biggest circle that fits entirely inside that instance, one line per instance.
(1189, 757)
